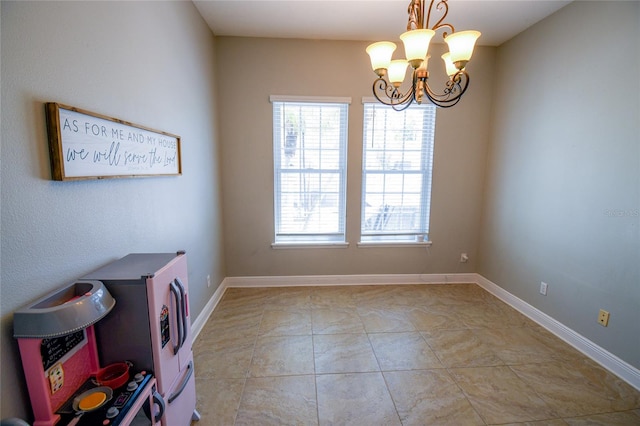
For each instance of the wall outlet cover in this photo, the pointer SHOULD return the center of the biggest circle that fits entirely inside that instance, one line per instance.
(603, 318)
(543, 288)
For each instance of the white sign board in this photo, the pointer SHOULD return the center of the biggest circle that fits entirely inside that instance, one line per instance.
(85, 145)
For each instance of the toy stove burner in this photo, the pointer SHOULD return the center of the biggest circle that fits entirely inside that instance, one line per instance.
(114, 411)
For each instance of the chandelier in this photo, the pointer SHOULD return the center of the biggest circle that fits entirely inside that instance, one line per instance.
(416, 46)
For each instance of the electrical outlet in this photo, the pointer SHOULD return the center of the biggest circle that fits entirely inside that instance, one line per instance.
(603, 318)
(464, 258)
(208, 280)
(543, 288)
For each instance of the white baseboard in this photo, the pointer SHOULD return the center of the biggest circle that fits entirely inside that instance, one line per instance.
(201, 320)
(331, 280)
(622, 369)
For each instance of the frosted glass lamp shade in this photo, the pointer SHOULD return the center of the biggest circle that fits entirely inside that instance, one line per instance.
(461, 45)
(416, 45)
(380, 55)
(397, 71)
(451, 68)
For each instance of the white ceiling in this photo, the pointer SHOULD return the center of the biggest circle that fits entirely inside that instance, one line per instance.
(498, 20)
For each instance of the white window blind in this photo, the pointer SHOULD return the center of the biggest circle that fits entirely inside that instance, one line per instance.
(396, 173)
(309, 149)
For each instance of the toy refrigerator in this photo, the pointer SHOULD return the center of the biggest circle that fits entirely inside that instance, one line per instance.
(151, 326)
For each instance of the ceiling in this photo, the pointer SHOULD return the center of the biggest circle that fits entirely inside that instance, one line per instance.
(498, 20)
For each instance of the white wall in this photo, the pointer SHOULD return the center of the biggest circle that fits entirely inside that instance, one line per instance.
(250, 69)
(151, 63)
(562, 196)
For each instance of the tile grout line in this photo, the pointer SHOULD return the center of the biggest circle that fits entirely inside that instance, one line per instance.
(475, 332)
(473, 407)
(384, 379)
(247, 373)
(313, 354)
(557, 415)
(446, 368)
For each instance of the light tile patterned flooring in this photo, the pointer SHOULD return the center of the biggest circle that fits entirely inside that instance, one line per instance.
(388, 355)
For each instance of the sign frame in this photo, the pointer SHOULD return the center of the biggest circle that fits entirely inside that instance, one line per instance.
(88, 145)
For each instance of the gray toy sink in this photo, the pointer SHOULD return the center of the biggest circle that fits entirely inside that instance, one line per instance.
(64, 311)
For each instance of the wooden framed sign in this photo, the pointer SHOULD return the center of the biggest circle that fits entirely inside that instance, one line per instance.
(86, 145)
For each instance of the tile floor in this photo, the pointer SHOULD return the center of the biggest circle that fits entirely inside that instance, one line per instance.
(394, 355)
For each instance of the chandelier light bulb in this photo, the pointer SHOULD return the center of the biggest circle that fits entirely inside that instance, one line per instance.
(416, 45)
(397, 71)
(461, 46)
(449, 66)
(380, 55)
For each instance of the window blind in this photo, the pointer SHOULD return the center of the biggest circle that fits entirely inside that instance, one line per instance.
(309, 147)
(396, 172)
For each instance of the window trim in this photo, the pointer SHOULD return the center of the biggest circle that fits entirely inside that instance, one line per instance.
(311, 99)
(377, 244)
(391, 243)
(304, 245)
(318, 242)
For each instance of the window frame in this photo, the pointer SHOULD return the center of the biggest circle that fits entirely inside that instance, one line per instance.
(321, 239)
(409, 238)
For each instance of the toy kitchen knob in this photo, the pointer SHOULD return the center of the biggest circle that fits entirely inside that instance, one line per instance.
(112, 412)
(132, 386)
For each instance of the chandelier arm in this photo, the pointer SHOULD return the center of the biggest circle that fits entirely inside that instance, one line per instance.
(442, 4)
(401, 107)
(388, 95)
(452, 93)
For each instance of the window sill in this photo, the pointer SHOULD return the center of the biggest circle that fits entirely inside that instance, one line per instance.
(385, 244)
(301, 245)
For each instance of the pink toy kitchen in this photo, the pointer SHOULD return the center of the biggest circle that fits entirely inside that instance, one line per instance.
(112, 348)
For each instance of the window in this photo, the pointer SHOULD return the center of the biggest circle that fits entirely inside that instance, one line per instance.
(396, 173)
(309, 151)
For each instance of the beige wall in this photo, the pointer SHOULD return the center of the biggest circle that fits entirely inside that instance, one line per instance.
(249, 70)
(562, 182)
(151, 63)
(562, 197)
